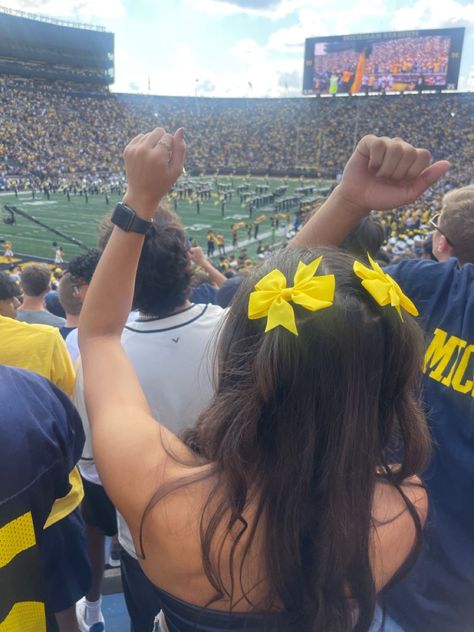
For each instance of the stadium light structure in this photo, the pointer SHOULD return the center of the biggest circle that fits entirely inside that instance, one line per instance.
(49, 20)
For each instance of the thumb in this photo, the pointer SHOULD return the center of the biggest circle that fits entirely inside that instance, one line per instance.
(179, 151)
(429, 176)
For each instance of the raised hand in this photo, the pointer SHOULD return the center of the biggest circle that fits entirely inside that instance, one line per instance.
(384, 173)
(153, 163)
(197, 256)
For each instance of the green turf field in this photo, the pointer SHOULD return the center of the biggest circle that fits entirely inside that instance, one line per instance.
(80, 220)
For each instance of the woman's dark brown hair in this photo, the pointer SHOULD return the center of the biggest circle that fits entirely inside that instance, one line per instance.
(303, 427)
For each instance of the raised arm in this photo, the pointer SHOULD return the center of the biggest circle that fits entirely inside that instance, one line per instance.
(382, 174)
(127, 442)
(199, 258)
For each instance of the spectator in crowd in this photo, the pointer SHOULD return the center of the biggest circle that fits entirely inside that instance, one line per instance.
(263, 507)
(71, 304)
(228, 289)
(41, 431)
(170, 346)
(53, 305)
(80, 270)
(205, 292)
(366, 238)
(35, 281)
(9, 301)
(453, 236)
(40, 348)
(437, 595)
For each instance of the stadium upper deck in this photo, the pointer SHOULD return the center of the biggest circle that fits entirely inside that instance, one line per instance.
(35, 46)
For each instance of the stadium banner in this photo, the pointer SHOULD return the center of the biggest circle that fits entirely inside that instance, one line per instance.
(396, 61)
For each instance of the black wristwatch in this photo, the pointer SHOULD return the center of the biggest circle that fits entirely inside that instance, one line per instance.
(125, 218)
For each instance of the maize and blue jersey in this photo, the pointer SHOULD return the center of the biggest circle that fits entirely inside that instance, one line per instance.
(438, 594)
(41, 439)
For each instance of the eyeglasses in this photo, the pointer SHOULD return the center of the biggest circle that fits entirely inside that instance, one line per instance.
(433, 222)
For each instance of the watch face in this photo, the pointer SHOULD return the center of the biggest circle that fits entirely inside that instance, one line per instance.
(126, 219)
(123, 216)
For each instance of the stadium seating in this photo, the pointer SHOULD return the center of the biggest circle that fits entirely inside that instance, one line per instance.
(267, 136)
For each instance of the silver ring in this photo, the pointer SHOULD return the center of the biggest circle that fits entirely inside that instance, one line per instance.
(162, 142)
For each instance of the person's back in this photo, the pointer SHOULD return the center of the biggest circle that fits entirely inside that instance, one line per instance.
(176, 353)
(41, 349)
(38, 348)
(35, 281)
(438, 594)
(39, 317)
(41, 439)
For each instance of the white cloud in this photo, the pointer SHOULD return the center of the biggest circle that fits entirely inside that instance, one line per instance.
(271, 10)
(427, 14)
(324, 18)
(289, 39)
(468, 84)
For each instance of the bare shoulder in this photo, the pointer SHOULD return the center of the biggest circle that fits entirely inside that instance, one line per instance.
(394, 529)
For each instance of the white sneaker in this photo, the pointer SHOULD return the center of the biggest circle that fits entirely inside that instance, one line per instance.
(81, 611)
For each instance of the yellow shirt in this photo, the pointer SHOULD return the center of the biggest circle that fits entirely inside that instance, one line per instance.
(41, 349)
(38, 348)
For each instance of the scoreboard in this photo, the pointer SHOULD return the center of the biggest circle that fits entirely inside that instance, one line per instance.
(383, 62)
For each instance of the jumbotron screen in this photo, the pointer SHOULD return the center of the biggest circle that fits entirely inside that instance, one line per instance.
(383, 62)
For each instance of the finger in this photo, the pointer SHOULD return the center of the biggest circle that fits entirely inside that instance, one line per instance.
(153, 137)
(408, 158)
(393, 155)
(132, 143)
(179, 152)
(165, 142)
(423, 159)
(377, 154)
(428, 177)
(372, 148)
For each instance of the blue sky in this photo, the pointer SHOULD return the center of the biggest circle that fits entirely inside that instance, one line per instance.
(216, 47)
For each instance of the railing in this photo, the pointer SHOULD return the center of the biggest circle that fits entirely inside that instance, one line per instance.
(45, 18)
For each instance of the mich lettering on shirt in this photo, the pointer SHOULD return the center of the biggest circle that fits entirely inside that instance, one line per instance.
(450, 361)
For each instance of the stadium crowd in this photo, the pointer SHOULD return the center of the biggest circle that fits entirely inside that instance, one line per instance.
(279, 136)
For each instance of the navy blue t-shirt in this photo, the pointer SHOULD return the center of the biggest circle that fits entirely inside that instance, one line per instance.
(203, 294)
(438, 595)
(41, 439)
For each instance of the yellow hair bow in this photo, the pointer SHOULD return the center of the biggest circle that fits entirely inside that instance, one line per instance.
(271, 296)
(383, 288)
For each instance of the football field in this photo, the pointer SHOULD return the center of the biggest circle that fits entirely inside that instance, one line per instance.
(80, 219)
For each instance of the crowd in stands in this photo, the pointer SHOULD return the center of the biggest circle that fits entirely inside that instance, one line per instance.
(280, 136)
(388, 64)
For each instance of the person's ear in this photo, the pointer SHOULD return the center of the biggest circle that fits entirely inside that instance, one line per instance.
(442, 249)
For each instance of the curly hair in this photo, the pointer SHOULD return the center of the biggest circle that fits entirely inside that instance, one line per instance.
(8, 287)
(164, 271)
(83, 266)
